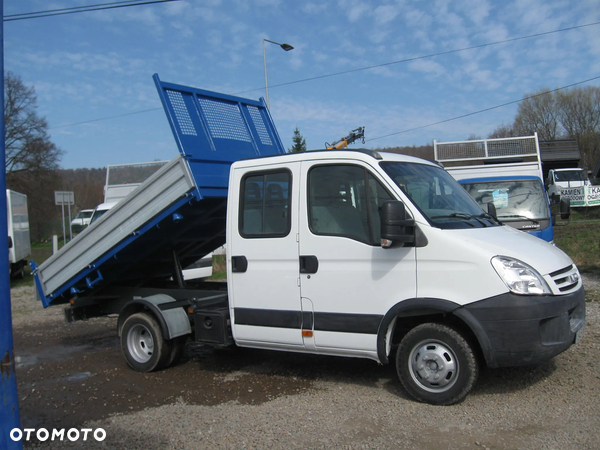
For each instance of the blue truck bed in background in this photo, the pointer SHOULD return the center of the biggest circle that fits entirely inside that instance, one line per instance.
(178, 215)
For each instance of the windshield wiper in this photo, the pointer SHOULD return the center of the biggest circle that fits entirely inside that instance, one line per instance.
(466, 216)
(520, 217)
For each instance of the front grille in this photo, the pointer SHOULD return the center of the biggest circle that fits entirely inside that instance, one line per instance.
(566, 279)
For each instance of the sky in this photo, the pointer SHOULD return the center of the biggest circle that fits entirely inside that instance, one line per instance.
(403, 69)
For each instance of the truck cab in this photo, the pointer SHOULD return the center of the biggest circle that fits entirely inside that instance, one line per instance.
(519, 201)
(319, 263)
(504, 176)
(81, 220)
(566, 182)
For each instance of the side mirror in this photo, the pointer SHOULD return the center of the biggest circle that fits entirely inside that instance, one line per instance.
(10, 243)
(565, 208)
(396, 228)
(492, 210)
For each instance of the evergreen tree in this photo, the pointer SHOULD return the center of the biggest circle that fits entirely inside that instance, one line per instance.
(299, 142)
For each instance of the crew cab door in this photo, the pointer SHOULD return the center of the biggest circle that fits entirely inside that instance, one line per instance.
(350, 281)
(262, 243)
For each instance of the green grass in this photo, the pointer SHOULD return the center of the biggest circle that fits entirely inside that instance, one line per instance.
(39, 254)
(219, 268)
(580, 238)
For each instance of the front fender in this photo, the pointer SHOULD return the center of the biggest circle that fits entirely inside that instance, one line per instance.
(428, 306)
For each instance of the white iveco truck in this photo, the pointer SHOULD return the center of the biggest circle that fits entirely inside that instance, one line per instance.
(343, 253)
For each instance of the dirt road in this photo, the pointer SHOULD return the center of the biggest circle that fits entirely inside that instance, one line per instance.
(74, 374)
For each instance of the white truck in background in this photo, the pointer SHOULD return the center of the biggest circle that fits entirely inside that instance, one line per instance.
(81, 220)
(342, 253)
(505, 177)
(19, 241)
(122, 179)
(567, 184)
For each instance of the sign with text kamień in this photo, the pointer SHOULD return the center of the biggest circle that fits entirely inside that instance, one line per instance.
(582, 196)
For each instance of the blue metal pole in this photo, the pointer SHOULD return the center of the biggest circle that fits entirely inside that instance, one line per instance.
(9, 402)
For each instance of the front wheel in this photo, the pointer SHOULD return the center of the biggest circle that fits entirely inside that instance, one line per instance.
(143, 344)
(436, 364)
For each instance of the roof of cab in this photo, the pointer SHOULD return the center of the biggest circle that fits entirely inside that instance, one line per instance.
(325, 154)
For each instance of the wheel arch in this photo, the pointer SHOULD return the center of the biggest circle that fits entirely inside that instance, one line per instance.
(173, 322)
(407, 314)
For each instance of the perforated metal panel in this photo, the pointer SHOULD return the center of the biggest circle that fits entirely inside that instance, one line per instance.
(224, 120)
(260, 125)
(213, 130)
(181, 113)
(486, 149)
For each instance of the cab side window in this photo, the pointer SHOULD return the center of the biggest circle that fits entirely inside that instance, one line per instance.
(266, 204)
(344, 200)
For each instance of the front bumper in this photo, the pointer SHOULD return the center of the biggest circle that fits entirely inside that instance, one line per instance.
(516, 330)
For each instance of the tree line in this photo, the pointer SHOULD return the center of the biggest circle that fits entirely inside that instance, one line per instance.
(567, 114)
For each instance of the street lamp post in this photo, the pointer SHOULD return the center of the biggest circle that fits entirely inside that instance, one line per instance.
(286, 47)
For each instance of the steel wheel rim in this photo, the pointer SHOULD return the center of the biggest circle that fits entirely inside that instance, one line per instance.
(140, 343)
(433, 366)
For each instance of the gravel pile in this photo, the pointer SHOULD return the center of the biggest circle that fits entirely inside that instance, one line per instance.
(555, 405)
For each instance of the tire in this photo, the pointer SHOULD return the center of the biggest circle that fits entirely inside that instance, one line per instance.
(143, 344)
(436, 364)
(177, 349)
(17, 272)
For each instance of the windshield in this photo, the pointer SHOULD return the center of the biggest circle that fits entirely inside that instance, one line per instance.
(97, 214)
(438, 196)
(568, 175)
(513, 199)
(85, 214)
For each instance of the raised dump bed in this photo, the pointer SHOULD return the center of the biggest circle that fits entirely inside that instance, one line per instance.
(175, 217)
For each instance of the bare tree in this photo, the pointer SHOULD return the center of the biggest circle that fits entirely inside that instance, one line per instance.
(573, 113)
(538, 112)
(28, 145)
(579, 113)
(32, 159)
(502, 131)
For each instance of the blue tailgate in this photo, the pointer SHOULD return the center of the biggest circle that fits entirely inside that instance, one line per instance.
(213, 130)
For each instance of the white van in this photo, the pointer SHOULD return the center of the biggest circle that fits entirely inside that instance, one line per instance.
(81, 220)
(566, 182)
(100, 210)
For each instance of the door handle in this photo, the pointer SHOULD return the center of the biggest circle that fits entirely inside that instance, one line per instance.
(239, 264)
(309, 264)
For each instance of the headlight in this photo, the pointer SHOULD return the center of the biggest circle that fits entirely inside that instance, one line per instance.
(519, 277)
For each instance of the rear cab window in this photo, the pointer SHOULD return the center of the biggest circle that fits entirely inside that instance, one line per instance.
(265, 204)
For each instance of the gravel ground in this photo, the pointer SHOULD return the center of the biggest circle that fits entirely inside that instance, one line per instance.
(351, 404)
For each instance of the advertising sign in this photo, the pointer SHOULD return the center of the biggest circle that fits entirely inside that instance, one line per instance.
(575, 194)
(592, 195)
(582, 196)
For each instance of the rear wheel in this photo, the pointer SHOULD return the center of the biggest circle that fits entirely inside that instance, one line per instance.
(436, 364)
(143, 344)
